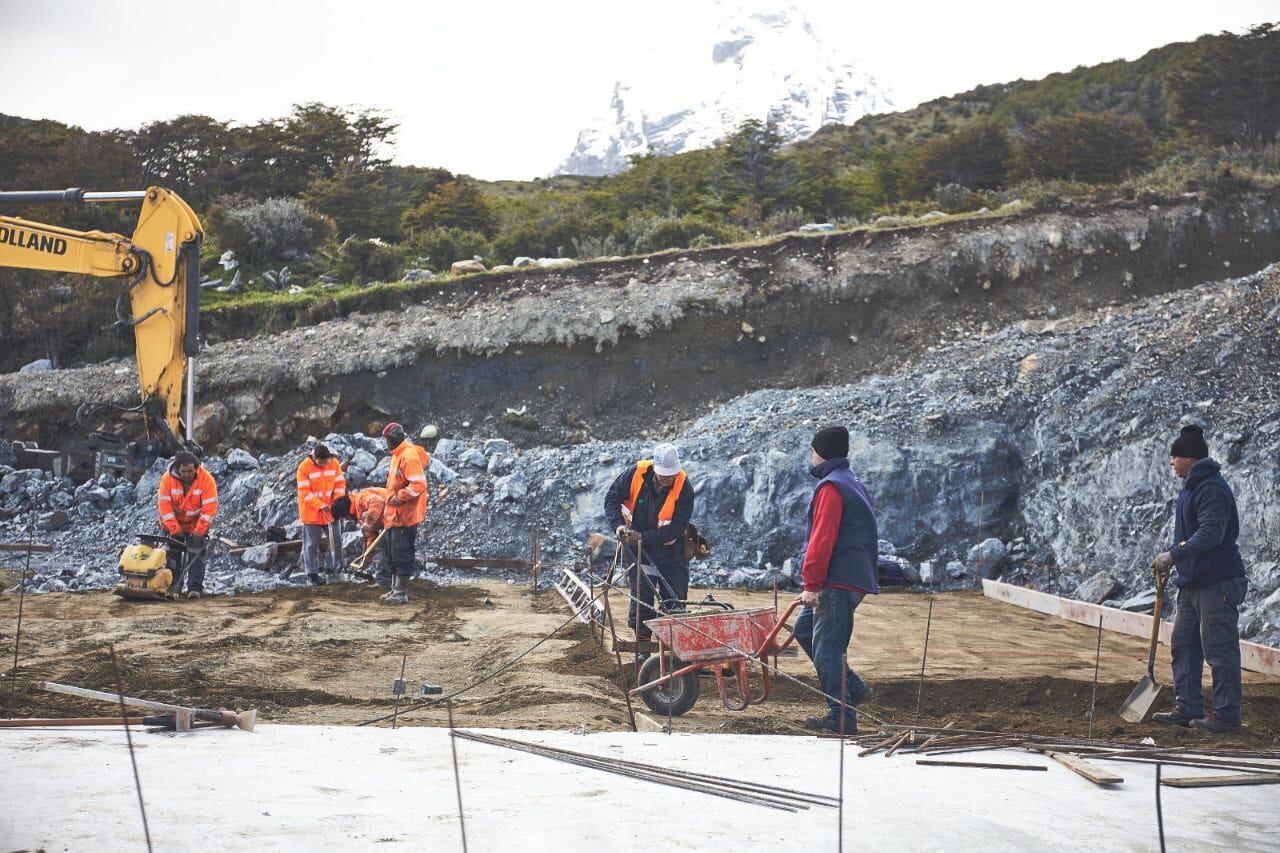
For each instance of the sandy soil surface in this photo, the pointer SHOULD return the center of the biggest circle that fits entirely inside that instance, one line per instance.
(329, 656)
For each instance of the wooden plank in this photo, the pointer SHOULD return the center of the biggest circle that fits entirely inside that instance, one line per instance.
(1220, 781)
(896, 745)
(23, 547)
(645, 723)
(877, 746)
(987, 765)
(1254, 657)
(483, 563)
(1080, 767)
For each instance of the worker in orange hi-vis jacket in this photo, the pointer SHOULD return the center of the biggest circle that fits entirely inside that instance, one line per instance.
(368, 507)
(187, 501)
(406, 508)
(320, 483)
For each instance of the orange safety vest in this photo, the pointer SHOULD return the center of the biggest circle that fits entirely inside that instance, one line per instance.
(318, 487)
(368, 506)
(407, 482)
(187, 508)
(668, 510)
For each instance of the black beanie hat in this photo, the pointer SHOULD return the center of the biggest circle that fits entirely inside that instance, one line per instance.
(831, 442)
(341, 508)
(1190, 443)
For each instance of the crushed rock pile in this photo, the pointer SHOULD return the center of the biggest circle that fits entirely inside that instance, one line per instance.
(1037, 453)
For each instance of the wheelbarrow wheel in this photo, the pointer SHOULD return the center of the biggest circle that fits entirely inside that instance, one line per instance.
(673, 698)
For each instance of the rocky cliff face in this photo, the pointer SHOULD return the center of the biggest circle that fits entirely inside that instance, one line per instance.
(760, 64)
(1037, 452)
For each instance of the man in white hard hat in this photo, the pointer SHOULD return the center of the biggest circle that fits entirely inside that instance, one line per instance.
(650, 504)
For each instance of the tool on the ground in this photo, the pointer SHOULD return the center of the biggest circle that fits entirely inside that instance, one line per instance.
(145, 567)
(357, 565)
(1144, 695)
(184, 717)
(729, 640)
(335, 547)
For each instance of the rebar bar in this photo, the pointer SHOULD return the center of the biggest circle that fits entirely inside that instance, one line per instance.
(128, 736)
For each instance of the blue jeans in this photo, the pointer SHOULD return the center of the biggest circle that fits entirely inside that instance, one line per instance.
(313, 535)
(824, 633)
(1205, 628)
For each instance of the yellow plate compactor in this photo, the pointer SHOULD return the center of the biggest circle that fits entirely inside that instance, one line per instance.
(146, 571)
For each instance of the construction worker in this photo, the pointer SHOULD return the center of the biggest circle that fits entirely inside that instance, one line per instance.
(405, 509)
(367, 507)
(837, 570)
(320, 483)
(1209, 573)
(187, 501)
(650, 505)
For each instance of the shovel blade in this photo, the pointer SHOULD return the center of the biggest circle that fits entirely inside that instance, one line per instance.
(1135, 708)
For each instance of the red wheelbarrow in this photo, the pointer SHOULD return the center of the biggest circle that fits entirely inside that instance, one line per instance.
(727, 642)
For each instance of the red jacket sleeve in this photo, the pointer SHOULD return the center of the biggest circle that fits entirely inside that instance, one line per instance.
(827, 511)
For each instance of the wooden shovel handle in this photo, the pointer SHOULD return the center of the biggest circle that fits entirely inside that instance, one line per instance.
(1161, 580)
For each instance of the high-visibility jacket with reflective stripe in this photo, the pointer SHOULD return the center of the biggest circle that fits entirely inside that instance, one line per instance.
(319, 485)
(407, 483)
(668, 510)
(368, 506)
(187, 508)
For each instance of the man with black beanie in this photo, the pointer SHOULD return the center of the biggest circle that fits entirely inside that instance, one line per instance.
(837, 570)
(1209, 574)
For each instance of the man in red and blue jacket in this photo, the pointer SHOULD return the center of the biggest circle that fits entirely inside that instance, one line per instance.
(837, 570)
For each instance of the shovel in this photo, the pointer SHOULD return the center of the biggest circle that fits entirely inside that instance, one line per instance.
(1135, 708)
(357, 565)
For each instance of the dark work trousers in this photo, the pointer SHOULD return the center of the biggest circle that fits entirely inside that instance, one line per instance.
(824, 633)
(399, 545)
(674, 587)
(195, 566)
(1205, 628)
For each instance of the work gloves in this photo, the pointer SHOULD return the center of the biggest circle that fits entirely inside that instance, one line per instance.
(1163, 563)
(195, 543)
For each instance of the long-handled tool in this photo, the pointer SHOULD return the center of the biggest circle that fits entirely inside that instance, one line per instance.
(357, 565)
(1135, 708)
(183, 718)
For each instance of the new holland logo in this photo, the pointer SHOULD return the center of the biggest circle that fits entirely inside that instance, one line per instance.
(46, 243)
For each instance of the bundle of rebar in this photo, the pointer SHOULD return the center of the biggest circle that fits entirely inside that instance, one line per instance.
(770, 796)
(933, 740)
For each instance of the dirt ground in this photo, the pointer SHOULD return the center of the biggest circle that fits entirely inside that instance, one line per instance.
(329, 656)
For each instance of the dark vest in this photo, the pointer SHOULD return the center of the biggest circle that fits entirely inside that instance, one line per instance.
(853, 560)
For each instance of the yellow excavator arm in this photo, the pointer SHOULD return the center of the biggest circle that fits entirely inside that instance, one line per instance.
(162, 264)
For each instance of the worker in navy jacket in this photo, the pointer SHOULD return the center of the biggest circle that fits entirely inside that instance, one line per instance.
(1209, 573)
(837, 570)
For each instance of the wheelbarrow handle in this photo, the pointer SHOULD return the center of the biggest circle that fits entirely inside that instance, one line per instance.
(767, 645)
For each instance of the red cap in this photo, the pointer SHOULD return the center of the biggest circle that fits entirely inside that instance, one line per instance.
(392, 427)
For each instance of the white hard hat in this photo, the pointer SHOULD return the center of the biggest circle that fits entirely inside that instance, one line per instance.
(666, 460)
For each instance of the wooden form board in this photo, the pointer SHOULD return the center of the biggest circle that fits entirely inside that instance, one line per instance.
(1219, 781)
(1253, 656)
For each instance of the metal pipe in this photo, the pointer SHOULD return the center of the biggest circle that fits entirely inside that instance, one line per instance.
(191, 399)
(108, 197)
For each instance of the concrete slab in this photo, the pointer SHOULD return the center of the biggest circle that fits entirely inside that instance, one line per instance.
(315, 787)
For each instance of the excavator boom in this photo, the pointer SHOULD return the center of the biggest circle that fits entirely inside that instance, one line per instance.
(161, 263)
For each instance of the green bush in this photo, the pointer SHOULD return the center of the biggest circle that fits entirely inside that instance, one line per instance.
(437, 248)
(1091, 147)
(976, 156)
(361, 261)
(652, 233)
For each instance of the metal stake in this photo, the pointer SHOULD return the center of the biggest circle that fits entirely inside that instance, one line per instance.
(399, 691)
(1159, 810)
(928, 625)
(1097, 661)
(457, 780)
(844, 694)
(137, 780)
(22, 597)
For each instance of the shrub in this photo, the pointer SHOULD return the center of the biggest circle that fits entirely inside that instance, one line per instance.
(437, 248)
(652, 233)
(976, 155)
(360, 261)
(277, 229)
(955, 198)
(1091, 147)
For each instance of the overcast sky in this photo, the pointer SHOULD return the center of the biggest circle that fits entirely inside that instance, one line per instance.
(500, 89)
